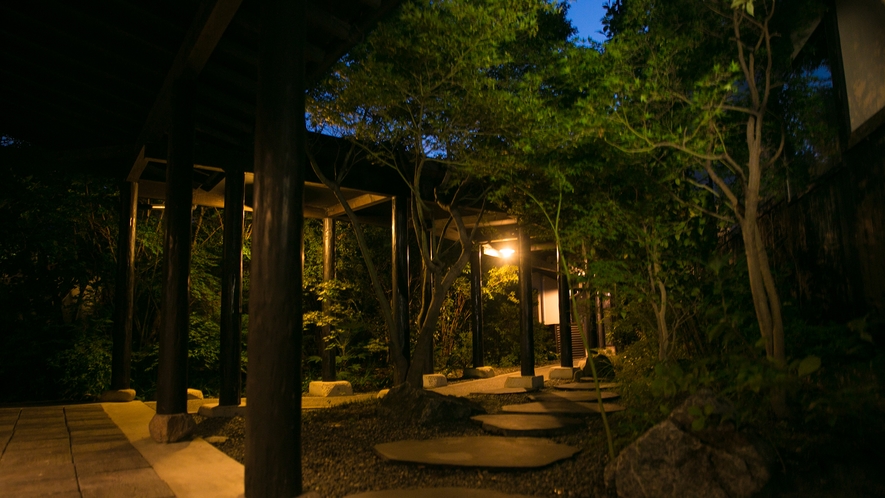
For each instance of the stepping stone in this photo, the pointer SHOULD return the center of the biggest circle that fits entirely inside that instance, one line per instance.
(563, 407)
(435, 493)
(505, 390)
(585, 386)
(526, 425)
(478, 451)
(573, 396)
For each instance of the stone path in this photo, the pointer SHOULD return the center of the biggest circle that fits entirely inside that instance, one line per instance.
(74, 451)
(105, 450)
(574, 396)
(477, 451)
(586, 386)
(480, 385)
(435, 493)
(521, 425)
(563, 407)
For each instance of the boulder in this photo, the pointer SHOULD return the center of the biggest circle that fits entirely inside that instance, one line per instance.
(603, 363)
(696, 452)
(409, 405)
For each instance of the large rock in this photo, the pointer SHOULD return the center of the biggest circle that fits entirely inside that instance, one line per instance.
(675, 459)
(406, 404)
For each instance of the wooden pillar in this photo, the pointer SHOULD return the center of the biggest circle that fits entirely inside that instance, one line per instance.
(328, 354)
(273, 427)
(476, 304)
(565, 318)
(428, 295)
(400, 270)
(526, 318)
(125, 287)
(232, 287)
(172, 377)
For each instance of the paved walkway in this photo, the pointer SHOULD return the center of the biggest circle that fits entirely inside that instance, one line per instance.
(497, 382)
(105, 450)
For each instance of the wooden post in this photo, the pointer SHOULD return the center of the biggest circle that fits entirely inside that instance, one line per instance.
(565, 319)
(476, 302)
(232, 287)
(328, 354)
(125, 287)
(170, 423)
(273, 427)
(400, 270)
(526, 318)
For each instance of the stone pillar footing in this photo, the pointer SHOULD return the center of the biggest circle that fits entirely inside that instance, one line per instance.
(479, 373)
(172, 428)
(532, 382)
(435, 380)
(117, 396)
(194, 394)
(214, 410)
(563, 373)
(326, 389)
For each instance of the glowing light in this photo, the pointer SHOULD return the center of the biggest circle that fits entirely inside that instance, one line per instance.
(507, 252)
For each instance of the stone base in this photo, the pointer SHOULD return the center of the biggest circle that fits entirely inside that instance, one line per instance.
(194, 394)
(118, 396)
(435, 380)
(563, 373)
(533, 382)
(383, 393)
(326, 389)
(172, 428)
(479, 373)
(214, 410)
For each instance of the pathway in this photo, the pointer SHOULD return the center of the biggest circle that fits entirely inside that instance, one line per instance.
(105, 450)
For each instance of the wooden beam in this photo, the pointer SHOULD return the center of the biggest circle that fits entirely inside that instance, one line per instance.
(212, 19)
(360, 202)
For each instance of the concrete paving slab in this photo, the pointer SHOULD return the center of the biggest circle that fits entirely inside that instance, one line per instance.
(84, 439)
(586, 386)
(11, 476)
(56, 487)
(36, 434)
(91, 432)
(95, 462)
(191, 468)
(143, 483)
(573, 396)
(527, 425)
(51, 455)
(435, 493)
(477, 451)
(110, 446)
(17, 444)
(549, 408)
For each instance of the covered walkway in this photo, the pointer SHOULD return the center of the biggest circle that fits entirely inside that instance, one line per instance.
(105, 450)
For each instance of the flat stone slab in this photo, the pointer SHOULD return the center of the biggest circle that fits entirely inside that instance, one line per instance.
(317, 402)
(563, 373)
(505, 390)
(435, 380)
(479, 373)
(584, 396)
(586, 386)
(214, 410)
(478, 451)
(325, 389)
(533, 382)
(435, 493)
(526, 425)
(564, 407)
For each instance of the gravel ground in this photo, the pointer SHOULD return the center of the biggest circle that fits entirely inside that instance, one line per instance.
(338, 456)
